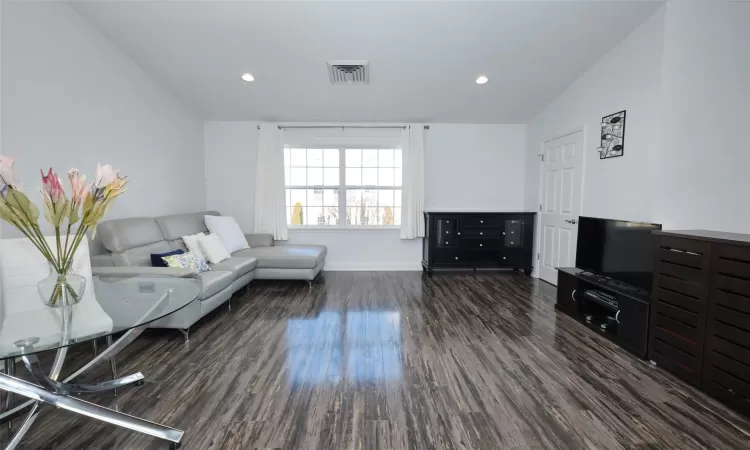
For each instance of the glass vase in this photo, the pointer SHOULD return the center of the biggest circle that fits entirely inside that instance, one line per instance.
(61, 289)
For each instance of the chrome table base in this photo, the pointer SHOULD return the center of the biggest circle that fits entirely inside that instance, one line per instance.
(49, 390)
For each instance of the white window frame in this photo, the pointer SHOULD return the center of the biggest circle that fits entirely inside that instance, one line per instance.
(342, 188)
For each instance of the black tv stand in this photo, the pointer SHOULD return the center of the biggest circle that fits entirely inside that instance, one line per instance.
(615, 310)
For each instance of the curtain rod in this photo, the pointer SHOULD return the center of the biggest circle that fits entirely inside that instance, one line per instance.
(426, 127)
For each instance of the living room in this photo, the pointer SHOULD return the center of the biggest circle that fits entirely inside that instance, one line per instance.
(202, 104)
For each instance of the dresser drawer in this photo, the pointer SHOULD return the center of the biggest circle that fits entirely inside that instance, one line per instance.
(481, 243)
(451, 256)
(482, 222)
(488, 233)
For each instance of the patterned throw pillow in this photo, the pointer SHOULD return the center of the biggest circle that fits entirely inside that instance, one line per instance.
(187, 261)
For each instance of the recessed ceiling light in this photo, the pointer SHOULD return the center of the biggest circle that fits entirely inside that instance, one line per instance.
(482, 79)
(248, 77)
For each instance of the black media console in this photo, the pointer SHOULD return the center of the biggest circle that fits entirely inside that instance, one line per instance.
(613, 309)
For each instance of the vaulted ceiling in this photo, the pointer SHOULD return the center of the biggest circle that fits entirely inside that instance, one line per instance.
(424, 56)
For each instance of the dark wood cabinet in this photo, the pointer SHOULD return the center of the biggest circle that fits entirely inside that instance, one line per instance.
(700, 321)
(628, 321)
(478, 240)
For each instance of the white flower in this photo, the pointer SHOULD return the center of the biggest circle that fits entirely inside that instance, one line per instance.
(105, 174)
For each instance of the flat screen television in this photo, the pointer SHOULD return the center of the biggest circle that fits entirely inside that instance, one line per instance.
(617, 249)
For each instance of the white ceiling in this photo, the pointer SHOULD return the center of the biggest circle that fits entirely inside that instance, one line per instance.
(424, 56)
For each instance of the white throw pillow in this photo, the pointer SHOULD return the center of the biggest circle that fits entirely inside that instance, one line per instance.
(213, 248)
(229, 231)
(191, 242)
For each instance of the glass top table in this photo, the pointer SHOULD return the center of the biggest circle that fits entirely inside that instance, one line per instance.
(119, 307)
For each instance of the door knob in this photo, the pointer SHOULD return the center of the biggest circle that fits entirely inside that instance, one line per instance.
(571, 221)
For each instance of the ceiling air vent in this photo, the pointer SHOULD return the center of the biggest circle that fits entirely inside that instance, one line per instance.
(349, 72)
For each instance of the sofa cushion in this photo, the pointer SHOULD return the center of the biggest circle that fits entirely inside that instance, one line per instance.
(121, 235)
(175, 226)
(238, 265)
(139, 256)
(287, 256)
(215, 281)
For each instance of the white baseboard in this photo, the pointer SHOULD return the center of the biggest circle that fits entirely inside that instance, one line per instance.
(372, 266)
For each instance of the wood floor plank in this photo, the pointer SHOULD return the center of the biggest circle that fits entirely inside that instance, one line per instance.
(396, 361)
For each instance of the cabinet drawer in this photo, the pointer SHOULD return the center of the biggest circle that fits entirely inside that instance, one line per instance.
(489, 233)
(483, 221)
(450, 256)
(481, 243)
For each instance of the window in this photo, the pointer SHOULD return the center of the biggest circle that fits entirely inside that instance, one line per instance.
(343, 186)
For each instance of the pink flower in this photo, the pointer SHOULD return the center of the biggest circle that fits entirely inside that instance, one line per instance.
(105, 174)
(78, 186)
(51, 187)
(7, 174)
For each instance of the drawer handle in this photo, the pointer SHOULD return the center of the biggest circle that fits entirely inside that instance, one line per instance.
(511, 242)
(573, 295)
(480, 245)
(459, 233)
(512, 232)
(446, 242)
(481, 221)
(617, 316)
(446, 232)
(504, 257)
(481, 234)
(456, 257)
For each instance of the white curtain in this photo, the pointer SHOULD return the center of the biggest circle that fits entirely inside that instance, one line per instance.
(270, 203)
(412, 200)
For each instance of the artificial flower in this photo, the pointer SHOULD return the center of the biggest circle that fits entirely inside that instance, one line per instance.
(78, 186)
(52, 188)
(105, 174)
(7, 174)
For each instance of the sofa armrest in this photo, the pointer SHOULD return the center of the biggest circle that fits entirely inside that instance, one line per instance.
(144, 271)
(259, 240)
(102, 260)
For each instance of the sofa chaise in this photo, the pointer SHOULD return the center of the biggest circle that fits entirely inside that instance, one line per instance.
(123, 248)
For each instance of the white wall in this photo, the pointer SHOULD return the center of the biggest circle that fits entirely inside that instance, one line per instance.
(72, 99)
(627, 78)
(476, 167)
(706, 97)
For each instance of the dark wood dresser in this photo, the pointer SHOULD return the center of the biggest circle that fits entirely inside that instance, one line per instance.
(700, 311)
(478, 240)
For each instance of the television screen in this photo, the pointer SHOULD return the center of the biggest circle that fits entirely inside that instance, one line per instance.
(617, 249)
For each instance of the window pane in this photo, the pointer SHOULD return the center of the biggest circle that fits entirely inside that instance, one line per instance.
(287, 176)
(385, 158)
(397, 157)
(314, 216)
(330, 197)
(314, 197)
(298, 177)
(287, 197)
(331, 215)
(385, 197)
(385, 216)
(298, 197)
(289, 216)
(331, 157)
(369, 158)
(369, 177)
(298, 214)
(314, 157)
(353, 157)
(315, 176)
(287, 158)
(331, 177)
(370, 197)
(353, 204)
(353, 177)
(397, 197)
(385, 177)
(397, 177)
(298, 157)
(397, 216)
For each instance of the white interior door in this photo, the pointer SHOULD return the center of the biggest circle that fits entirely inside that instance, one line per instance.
(561, 204)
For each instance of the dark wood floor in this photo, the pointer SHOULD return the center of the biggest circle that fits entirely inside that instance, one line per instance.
(393, 360)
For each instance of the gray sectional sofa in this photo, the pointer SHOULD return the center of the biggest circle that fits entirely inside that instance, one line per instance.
(123, 247)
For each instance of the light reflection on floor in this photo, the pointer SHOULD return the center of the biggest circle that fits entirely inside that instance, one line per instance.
(361, 346)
